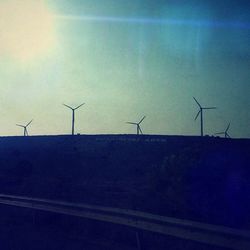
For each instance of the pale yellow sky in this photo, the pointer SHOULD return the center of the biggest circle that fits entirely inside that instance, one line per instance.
(27, 29)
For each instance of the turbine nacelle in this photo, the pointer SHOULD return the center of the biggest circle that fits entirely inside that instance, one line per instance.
(138, 127)
(73, 115)
(201, 108)
(25, 131)
(200, 113)
(225, 133)
(73, 108)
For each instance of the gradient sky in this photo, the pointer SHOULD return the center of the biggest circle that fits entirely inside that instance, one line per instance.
(124, 59)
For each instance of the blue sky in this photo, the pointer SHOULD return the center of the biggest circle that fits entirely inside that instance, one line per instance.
(125, 59)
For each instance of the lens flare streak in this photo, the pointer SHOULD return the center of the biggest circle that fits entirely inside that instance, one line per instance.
(157, 21)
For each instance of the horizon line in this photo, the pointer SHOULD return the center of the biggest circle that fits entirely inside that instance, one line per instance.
(134, 135)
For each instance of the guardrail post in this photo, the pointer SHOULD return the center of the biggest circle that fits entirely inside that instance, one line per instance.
(33, 214)
(138, 241)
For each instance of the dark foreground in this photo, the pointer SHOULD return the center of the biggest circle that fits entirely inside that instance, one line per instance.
(203, 179)
(26, 229)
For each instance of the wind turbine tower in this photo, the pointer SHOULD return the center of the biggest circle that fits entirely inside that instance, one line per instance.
(73, 115)
(25, 131)
(200, 112)
(138, 128)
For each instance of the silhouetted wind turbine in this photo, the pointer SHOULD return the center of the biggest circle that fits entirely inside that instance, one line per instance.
(138, 128)
(225, 133)
(25, 131)
(200, 112)
(73, 115)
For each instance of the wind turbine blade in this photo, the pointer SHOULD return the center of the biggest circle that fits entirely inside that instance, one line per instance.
(67, 106)
(197, 102)
(210, 108)
(141, 119)
(29, 123)
(132, 123)
(197, 115)
(228, 126)
(20, 125)
(79, 106)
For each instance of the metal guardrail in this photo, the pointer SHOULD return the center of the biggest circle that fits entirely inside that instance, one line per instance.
(215, 235)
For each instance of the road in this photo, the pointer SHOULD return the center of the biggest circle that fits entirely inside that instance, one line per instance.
(214, 235)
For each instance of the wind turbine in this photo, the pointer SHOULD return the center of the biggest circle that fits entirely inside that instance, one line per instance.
(25, 131)
(225, 133)
(200, 112)
(73, 115)
(138, 128)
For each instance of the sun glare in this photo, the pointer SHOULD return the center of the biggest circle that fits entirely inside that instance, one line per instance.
(26, 28)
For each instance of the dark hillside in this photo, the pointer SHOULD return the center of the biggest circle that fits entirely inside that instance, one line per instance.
(205, 179)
